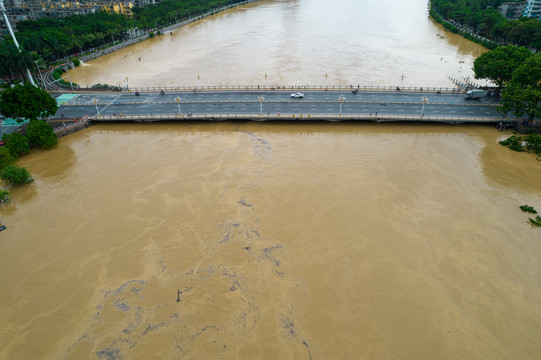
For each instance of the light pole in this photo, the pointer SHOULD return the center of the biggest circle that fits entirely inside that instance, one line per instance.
(326, 76)
(424, 100)
(401, 81)
(261, 98)
(341, 99)
(178, 102)
(265, 81)
(28, 75)
(95, 101)
(41, 75)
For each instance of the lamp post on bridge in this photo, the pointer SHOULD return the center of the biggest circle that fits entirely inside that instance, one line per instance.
(261, 98)
(326, 76)
(178, 102)
(424, 100)
(341, 99)
(95, 101)
(265, 81)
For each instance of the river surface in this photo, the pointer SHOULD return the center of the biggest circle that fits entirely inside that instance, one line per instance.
(273, 241)
(295, 42)
(277, 240)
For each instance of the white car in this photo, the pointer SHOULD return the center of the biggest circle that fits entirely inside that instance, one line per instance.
(297, 95)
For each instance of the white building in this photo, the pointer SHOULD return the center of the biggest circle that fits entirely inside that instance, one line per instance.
(533, 9)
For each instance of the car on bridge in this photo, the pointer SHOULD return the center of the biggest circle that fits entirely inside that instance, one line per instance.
(297, 95)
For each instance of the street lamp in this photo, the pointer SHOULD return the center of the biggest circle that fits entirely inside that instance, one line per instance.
(8, 25)
(41, 75)
(261, 98)
(177, 99)
(341, 99)
(95, 101)
(265, 81)
(424, 100)
(326, 76)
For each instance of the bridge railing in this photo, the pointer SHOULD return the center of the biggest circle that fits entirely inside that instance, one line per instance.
(305, 117)
(194, 88)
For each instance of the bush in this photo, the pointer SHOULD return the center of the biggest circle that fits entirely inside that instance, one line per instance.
(39, 132)
(6, 158)
(14, 175)
(16, 143)
(5, 197)
(528, 209)
(76, 61)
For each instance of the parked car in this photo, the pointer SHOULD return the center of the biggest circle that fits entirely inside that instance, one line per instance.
(297, 95)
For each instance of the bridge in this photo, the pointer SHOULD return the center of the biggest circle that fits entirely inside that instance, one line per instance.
(331, 104)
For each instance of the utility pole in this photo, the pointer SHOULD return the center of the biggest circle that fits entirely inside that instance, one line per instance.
(28, 75)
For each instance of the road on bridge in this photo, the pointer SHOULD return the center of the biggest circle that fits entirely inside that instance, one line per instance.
(274, 102)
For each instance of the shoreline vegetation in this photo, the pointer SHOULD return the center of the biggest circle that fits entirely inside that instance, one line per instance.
(48, 43)
(481, 22)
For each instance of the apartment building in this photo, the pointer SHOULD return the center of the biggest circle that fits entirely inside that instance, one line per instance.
(18, 10)
(512, 10)
(533, 9)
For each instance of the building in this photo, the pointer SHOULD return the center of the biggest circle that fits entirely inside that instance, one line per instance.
(18, 10)
(533, 9)
(512, 10)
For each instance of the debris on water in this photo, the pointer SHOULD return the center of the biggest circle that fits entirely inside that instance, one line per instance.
(244, 203)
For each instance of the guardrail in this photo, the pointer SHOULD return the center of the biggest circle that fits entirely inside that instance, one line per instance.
(195, 88)
(305, 117)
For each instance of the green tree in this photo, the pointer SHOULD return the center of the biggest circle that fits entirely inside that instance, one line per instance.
(498, 65)
(5, 196)
(39, 132)
(6, 158)
(16, 143)
(14, 175)
(523, 94)
(26, 102)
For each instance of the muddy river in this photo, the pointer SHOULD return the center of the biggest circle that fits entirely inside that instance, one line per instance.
(277, 240)
(295, 42)
(273, 241)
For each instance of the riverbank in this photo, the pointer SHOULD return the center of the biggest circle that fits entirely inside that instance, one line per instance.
(462, 31)
(169, 28)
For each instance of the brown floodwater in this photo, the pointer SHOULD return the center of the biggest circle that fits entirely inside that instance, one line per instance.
(294, 42)
(273, 241)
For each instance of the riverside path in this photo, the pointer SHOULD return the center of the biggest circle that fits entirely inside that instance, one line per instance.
(331, 105)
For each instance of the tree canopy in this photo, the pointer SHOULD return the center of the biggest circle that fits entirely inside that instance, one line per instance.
(523, 93)
(16, 143)
(15, 175)
(26, 102)
(499, 64)
(39, 132)
(52, 38)
(481, 16)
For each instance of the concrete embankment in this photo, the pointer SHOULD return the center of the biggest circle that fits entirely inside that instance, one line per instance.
(71, 127)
